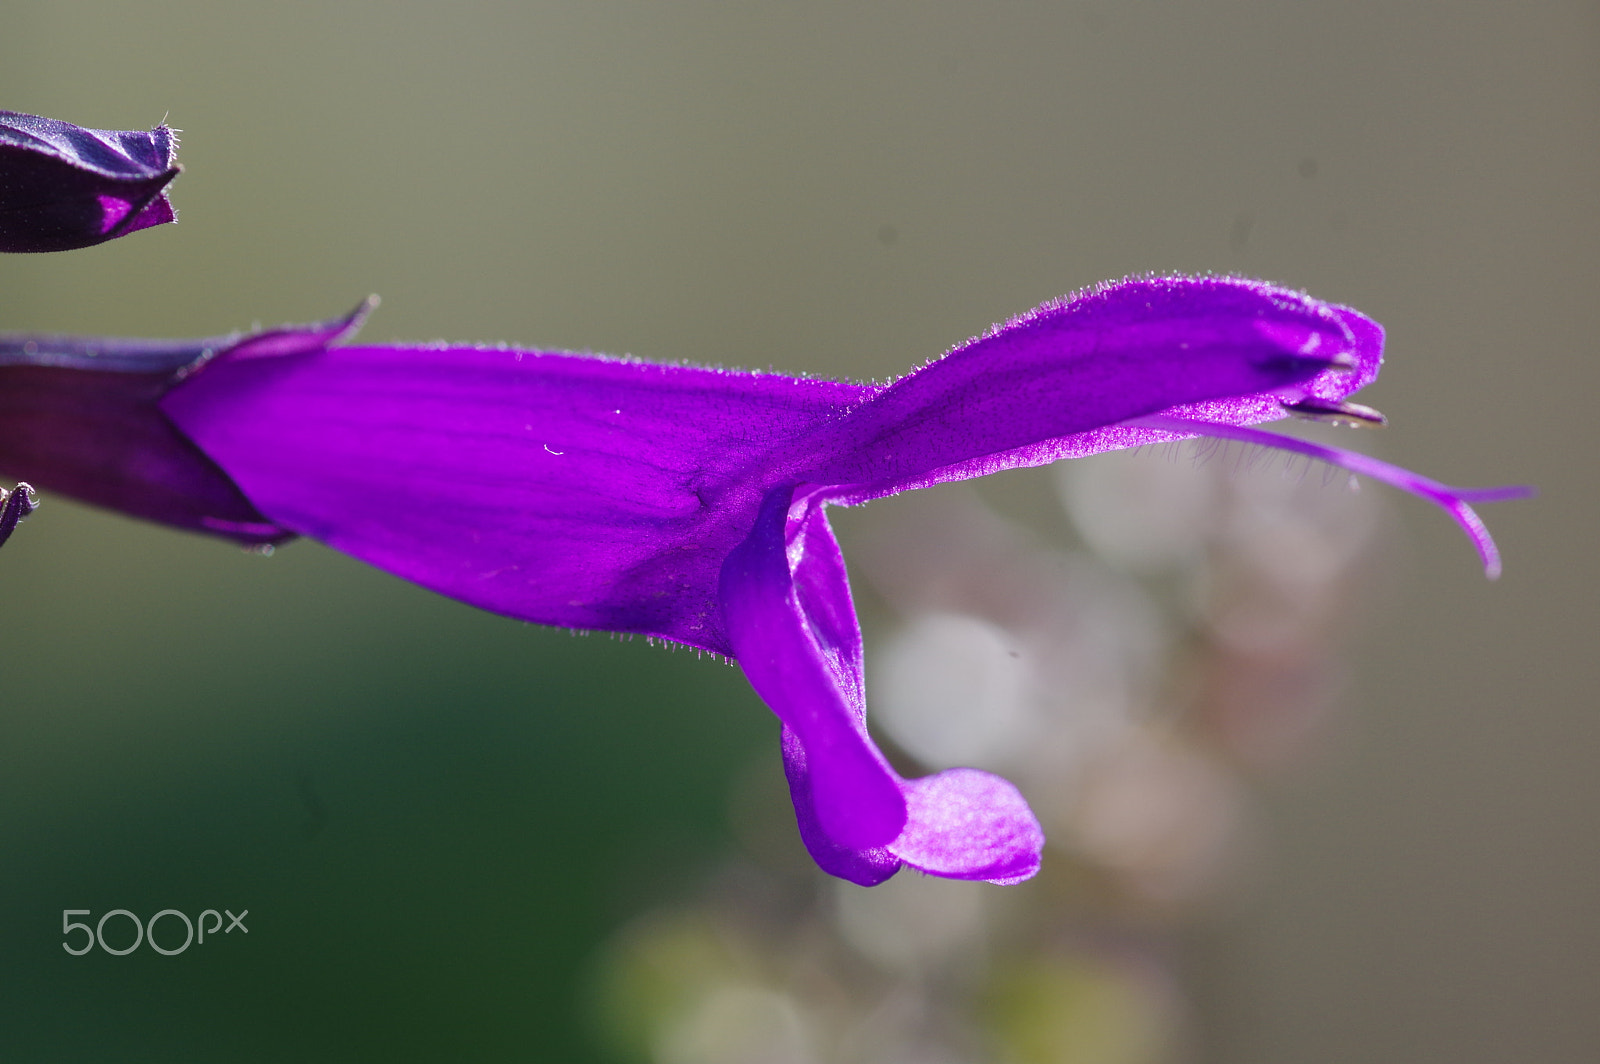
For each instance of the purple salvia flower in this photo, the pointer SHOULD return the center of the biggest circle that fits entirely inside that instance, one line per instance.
(688, 503)
(64, 187)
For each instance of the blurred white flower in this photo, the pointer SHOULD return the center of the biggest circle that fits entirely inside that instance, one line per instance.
(1147, 510)
(952, 689)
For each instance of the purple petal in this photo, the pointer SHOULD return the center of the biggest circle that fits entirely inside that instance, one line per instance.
(570, 490)
(961, 823)
(856, 796)
(867, 867)
(967, 824)
(822, 592)
(294, 339)
(64, 187)
(1059, 381)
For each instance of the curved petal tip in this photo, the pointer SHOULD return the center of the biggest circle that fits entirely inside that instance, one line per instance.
(968, 824)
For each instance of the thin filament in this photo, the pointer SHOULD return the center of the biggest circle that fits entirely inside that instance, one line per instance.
(1454, 501)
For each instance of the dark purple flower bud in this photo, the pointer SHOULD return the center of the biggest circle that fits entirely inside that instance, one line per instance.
(64, 187)
(14, 506)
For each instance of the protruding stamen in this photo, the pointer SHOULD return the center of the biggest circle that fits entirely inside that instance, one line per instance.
(1337, 411)
(14, 506)
(1453, 501)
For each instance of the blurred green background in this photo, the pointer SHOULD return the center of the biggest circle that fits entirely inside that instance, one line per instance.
(434, 815)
